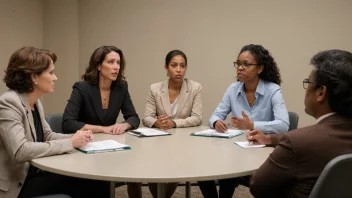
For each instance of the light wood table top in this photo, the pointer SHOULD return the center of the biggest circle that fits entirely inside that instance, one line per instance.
(175, 158)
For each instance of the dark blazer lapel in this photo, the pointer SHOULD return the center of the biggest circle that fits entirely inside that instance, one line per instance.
(165, 99)
(25, 103)
(182, 98)
(96, 101)
(114, 101)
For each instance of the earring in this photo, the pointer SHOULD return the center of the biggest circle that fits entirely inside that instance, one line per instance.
(35, 83)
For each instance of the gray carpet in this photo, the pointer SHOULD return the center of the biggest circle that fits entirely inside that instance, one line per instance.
(241, 192)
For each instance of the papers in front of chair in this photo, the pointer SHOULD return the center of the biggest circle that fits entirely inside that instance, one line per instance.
(246, 144)
(147, 132)
(103, 146)
(230, 133)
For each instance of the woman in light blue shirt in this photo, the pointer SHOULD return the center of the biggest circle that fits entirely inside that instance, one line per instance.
(255, 102)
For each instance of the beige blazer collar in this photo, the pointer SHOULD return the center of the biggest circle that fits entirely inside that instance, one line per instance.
(25, 103)
(182, 98)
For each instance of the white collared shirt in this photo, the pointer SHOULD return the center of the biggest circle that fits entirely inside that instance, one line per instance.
(325, 116)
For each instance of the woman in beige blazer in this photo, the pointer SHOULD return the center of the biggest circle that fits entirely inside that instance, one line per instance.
(24, 133)
(176, 102)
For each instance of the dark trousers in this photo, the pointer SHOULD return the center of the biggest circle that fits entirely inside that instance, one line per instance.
(226, 187)
(45, 183)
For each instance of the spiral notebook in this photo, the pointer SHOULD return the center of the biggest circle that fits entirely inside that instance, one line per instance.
(103, 146)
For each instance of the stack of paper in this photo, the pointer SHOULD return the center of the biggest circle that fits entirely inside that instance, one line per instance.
(147, 132)
(103, 146)
(230, 133)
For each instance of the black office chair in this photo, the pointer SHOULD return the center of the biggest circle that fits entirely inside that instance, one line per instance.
(293, 117)
(55, 120)
(335, 180)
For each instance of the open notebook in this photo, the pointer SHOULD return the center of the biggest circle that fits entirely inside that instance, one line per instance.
(147, 132)
(103, 146)
(230, 133)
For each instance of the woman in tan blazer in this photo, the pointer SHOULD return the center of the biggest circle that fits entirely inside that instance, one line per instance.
(176, 102)
(24, 133)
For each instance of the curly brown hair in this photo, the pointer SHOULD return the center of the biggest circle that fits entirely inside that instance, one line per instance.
(23, 64)
(263, 57)
(92, 74)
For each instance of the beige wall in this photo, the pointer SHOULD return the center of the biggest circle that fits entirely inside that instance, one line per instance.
(21, 24)
(211, 34)
(61, 28)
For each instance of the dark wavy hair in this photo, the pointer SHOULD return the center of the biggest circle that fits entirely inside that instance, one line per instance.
(174, 53)
(333, 69)
(92, 74)
(23, 64)
(263, 57)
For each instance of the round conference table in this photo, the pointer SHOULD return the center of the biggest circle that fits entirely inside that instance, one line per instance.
(162, 159)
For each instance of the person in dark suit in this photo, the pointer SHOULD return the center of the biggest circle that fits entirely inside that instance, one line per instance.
(25, 134)
(300, 155)
(96, 102)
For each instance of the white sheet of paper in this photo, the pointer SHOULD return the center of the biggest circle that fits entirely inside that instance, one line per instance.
(246, 144)
(103, 145)
(213, 132)
(150, 132)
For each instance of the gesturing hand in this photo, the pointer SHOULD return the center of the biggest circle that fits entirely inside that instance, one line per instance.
(242, 123)
(81, 138)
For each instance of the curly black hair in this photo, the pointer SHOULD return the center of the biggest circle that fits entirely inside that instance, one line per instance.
(333, 69)
(263, 57)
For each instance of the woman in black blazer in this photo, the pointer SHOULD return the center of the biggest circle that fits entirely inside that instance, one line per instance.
(96, 102)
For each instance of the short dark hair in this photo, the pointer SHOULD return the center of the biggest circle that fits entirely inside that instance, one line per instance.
(92, 75)
(25, 62)
(333, 68)
(271, 71)
(174, 53)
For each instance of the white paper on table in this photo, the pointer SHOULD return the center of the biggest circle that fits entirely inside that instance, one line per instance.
(103, 145)
(148, 132)
(213, 132)
(246, 144)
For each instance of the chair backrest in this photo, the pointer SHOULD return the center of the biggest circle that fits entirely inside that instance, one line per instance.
(55, 120)
(293, 117)
(335, 180)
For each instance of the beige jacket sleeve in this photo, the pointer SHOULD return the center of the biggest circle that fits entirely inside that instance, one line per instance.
(17, 136)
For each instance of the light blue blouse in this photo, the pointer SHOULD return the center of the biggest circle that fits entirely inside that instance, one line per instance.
(268, 112)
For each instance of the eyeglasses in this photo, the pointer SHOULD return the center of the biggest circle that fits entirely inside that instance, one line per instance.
(306, 82)
(245, 65)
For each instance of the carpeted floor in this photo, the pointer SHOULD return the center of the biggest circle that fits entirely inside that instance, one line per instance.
(241, 192)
